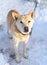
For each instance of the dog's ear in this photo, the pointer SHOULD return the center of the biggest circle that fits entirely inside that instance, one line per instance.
(31, 13)
(15, 15)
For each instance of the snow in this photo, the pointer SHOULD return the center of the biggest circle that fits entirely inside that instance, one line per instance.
(37, 44)
(2, 60)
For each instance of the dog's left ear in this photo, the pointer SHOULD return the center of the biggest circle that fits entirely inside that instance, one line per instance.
(31, 13)
(15, 15)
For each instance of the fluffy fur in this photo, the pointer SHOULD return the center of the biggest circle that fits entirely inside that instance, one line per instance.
(19, 27)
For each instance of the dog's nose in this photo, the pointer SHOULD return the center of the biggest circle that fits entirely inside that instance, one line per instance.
(25, 29)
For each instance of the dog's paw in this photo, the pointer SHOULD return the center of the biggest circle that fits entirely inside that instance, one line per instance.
(18, 60)
(25, 55)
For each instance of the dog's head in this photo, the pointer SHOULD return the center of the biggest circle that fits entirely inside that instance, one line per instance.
(24, 23)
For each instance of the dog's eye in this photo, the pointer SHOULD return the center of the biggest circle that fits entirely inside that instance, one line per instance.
(29, 21)
(21, 22)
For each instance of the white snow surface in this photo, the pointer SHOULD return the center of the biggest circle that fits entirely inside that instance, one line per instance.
(37, 44)
(3, 60)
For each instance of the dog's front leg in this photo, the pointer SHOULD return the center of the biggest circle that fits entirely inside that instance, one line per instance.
(16, 44)
(25, 54)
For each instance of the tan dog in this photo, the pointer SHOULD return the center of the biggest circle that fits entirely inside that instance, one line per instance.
(19, 27)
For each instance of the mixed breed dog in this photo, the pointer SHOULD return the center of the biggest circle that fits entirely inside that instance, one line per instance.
(19, 28)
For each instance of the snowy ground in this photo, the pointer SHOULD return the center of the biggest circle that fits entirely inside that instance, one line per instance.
(37, 44)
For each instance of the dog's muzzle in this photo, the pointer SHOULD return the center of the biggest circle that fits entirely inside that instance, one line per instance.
(25, 29)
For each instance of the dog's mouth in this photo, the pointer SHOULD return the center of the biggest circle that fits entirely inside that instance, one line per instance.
(26, 31)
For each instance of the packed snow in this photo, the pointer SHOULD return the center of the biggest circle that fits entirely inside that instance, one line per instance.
(37, 44)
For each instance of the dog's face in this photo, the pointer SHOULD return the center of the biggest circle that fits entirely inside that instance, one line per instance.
(24, 23)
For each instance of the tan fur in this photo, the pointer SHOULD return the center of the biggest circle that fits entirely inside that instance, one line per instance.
(16, 34)
(10, 18)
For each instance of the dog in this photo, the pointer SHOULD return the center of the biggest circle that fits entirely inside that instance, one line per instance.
(19, 28)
